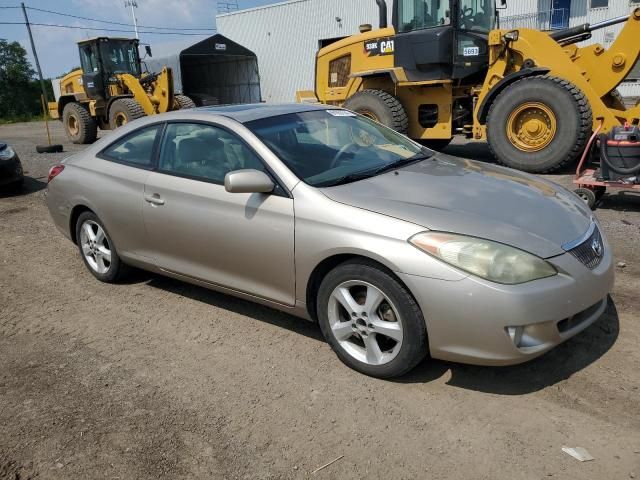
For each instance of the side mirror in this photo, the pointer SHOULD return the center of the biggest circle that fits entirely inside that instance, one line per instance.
(503, 5)
(147, 48)
(248, 181)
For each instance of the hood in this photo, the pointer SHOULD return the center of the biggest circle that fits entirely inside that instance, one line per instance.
(456, 195)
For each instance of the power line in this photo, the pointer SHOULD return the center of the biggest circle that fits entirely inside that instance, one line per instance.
(111, 22)
(102, 29)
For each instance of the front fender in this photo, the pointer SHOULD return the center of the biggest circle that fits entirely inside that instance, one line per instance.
(485, 104)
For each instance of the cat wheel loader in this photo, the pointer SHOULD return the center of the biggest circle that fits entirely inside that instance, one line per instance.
(110, 89)
(445, 68)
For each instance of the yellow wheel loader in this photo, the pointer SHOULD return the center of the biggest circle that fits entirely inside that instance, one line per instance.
(445, 68)
(110, 89)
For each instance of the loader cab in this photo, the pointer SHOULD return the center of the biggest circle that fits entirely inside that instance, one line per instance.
(102, 59)
(443, 39)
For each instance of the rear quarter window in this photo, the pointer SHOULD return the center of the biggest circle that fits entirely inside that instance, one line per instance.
(135, 149)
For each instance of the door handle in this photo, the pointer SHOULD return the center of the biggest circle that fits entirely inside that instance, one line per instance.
(154, 199)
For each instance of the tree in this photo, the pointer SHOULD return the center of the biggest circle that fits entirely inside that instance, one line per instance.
(19, 88)
(15, 78)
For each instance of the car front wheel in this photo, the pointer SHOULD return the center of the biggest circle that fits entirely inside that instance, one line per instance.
(97, 249)
(370, 320)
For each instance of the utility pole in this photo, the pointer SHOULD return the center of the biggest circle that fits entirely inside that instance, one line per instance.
(35, 55)
(133, 4)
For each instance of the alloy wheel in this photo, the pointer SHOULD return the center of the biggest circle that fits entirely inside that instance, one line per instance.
(365, 322)
(95, 247)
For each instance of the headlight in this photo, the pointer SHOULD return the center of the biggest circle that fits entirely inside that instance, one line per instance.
(484, 258)
(6, 153)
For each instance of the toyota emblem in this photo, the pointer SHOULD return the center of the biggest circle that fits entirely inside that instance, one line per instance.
(596, 246)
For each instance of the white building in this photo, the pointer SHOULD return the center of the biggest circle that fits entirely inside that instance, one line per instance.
(286, 35)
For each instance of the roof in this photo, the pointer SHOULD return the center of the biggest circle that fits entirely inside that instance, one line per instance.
(95, 39)
(258, 111)
(218, 45)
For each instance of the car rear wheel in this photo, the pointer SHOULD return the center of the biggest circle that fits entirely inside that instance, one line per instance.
(370, 320)
(97, 249)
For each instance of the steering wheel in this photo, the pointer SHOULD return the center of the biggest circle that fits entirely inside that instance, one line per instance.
(342, 151)
(467, 17)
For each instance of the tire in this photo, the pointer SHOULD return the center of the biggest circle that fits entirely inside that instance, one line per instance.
(395, 358)
(116, 269)
(80, 126)
(183, 102)
(381, 107)
(123, 111)
(57, 148)
(566, 105)
(588, 196)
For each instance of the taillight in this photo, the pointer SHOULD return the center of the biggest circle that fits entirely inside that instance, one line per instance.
(54, 172)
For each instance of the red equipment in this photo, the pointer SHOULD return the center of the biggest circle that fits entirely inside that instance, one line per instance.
(619, 154)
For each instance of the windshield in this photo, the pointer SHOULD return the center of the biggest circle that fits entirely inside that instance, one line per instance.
(331, 147)
(120, 57)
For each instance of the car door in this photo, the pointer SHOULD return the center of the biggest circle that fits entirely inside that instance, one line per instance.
(198, 229)
(114, 181)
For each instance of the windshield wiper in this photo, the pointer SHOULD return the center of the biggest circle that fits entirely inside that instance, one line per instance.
(352, 177)
(402, 162)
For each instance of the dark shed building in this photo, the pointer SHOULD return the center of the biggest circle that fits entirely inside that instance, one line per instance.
(215, 71)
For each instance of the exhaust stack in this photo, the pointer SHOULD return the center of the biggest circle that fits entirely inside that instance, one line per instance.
(382, 5)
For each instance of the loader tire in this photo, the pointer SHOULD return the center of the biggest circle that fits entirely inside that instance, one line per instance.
(124, 110)
(380, 106)
(183, 102)
(80, 126)
(539, 124)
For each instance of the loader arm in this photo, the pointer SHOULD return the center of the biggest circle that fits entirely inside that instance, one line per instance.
(606, 69)
(161, 98)
(594, 70)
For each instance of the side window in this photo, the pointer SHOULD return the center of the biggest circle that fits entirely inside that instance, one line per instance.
(88, 59)
(136, 148)
(419, 14)
(204, 152)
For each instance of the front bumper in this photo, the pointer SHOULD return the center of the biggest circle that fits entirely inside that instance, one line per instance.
(480, 322)
(10, 171)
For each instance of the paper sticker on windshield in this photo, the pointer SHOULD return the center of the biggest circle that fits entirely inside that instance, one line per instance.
(341, 113)
(471, 51)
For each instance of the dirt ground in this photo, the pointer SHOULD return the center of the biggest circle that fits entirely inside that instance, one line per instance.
(159, 379)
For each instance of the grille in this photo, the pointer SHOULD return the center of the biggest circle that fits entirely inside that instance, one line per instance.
(586, 253)
(339, 70)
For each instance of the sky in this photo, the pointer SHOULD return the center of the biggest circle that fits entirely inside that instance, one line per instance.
(56, 47)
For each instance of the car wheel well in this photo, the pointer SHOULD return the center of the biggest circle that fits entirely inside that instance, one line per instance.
(328, 264)
(73, 219)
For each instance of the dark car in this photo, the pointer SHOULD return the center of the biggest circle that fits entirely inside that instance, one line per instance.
(11, 175)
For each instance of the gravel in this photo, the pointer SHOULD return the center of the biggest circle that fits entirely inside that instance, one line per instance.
(159, 379)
